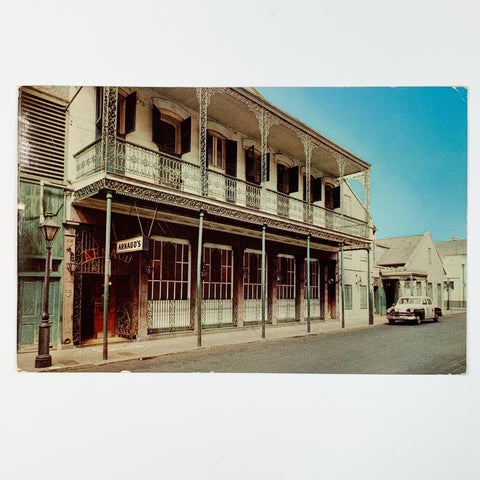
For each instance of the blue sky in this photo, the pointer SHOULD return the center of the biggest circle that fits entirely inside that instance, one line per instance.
(415, 138)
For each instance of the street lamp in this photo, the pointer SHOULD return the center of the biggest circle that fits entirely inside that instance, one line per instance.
(49, 229)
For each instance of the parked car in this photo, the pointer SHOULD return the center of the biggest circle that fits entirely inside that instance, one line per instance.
(413, 309)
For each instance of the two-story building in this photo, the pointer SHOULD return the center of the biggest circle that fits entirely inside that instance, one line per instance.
(191, 208)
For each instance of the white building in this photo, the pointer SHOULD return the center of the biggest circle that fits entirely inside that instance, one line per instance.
(454, 257)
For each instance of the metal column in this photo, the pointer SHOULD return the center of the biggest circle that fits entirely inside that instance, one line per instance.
(108, 226)
(370, 291)
(264, 278)
(199, 280)
(308, 284)
(342, 287)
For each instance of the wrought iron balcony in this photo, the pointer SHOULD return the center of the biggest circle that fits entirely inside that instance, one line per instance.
(162, 170)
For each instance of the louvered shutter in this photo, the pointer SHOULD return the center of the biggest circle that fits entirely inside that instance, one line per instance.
(316, 189)
(130, 112)
(41, 149)
(268, 167)
(98, 110)
(156, 127)
(186, 135)
(293, 180)
(336, 197)
(231, 158)
(250, 164)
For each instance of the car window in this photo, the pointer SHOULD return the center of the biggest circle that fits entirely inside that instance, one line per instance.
(414, 300)
(424, 301)
(429, 301)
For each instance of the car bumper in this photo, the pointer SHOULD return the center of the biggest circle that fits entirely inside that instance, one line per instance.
(401, 316)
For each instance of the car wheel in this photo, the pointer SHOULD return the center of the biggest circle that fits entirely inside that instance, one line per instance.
(435, 318)
(391, 321)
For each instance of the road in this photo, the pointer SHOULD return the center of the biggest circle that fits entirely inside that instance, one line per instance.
(429, 348)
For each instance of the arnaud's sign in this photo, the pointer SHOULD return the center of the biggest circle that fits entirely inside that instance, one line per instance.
(136, 244)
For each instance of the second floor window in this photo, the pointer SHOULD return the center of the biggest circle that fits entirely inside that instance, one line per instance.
(332, 197)
(126, 112)
(216, 148)
(253, 166)
(170, 133)
(287, 179)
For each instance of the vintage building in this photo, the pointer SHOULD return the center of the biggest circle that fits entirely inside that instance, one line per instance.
(454, 256)
(180, 204)
(408, 266)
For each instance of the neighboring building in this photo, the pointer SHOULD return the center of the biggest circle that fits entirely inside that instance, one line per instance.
(408, 266)
(454, 256)
(184, 182)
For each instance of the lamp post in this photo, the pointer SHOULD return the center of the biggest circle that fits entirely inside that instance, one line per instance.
(49, 229)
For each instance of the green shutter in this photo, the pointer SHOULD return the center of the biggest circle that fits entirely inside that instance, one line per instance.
(186, 135)
(156, 119)
(231, 158)
(293, 179)
(317, 189)
(130, 112)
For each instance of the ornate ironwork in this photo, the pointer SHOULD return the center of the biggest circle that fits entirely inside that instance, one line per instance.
(203, 97)
(109, 126)
(308, 147)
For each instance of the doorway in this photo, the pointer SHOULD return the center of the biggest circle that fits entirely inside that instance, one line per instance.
(92, 307)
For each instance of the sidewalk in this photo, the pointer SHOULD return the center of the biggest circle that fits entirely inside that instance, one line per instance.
(70, 358)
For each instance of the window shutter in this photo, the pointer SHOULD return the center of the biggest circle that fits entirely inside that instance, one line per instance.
(186, 133)
(336, 197)
(293, 180)
(130, 112)
(231, 158)
(317, 189)
(98, 110)
(281, 187)
(250, 164)
(156, 127)
(268, 167)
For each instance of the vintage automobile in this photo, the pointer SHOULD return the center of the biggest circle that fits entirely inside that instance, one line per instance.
(413, 309)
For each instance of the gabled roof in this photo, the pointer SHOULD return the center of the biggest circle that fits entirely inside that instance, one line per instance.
(451, 248)
(398, 250)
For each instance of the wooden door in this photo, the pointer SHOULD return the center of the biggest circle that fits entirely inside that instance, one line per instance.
(30, 300)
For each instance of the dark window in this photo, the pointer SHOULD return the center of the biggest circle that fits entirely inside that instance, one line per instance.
(253, 166)
(332, 197)
(169, 133)
(287, 179)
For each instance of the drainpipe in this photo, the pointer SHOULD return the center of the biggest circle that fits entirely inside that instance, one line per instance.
(308, 284)
(263, 280)
(199, 280)
(108, 227)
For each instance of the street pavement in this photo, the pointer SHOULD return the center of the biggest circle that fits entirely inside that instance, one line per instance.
(73, 358)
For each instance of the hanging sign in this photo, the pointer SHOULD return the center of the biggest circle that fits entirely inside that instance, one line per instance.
(136, 244)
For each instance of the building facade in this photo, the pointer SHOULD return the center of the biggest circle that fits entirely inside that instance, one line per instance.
(454, 256)
(408, 266)
(186, 208)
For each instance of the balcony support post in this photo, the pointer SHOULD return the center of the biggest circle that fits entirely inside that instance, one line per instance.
(308, 283)
(264, 280)
(199, 279)
(203, 96)
(308, 147)
(109, 127)
(265, 121)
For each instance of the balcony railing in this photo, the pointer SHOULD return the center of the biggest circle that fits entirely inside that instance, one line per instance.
(143, 164)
